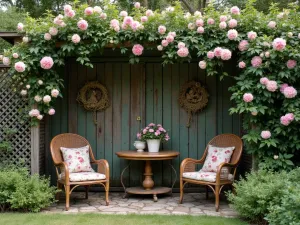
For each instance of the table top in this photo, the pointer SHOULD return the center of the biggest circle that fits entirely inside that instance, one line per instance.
(134, 155)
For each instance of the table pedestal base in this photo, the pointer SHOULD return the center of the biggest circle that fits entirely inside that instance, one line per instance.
(154, 191)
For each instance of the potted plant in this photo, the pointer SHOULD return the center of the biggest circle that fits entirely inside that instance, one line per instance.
(153, 134)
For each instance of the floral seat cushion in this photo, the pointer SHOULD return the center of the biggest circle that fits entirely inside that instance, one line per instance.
(208, 176)
(85, 176)
(77, 159)
(216, 156)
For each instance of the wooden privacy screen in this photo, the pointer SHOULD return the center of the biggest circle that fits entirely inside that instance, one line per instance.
(150, 91)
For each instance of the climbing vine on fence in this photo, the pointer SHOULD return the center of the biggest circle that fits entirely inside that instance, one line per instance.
(267, 48)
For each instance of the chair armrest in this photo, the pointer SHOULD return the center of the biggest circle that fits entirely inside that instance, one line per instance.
(224, 165)
(102, 167)
(65, 168)
(189, 165)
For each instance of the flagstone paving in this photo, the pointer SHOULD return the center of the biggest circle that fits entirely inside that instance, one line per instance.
(193, 204)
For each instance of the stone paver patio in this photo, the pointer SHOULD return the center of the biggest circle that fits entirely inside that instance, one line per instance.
(193, 204)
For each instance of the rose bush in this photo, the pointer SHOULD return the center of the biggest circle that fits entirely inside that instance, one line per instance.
(266, 48)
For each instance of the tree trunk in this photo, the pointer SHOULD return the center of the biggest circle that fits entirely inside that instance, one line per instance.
(145, 3)
(188, 6)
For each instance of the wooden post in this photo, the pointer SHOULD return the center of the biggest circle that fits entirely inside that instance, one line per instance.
(35, 150)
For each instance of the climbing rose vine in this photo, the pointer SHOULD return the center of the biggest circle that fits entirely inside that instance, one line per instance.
(265, 48)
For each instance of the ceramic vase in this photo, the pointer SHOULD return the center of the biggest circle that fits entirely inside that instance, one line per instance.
(153, 145)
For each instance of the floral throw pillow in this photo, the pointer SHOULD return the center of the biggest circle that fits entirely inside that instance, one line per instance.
(77, 159)
(216, 156)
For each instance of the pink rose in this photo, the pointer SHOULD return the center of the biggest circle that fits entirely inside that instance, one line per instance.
(82, 24)
(137, 5)
(53, 31)
(265, 134)
(252, 35)
(20, 27)
(232, 23)
(137, 49)
(279, 44)
(103, 16)
(15, 55)
(46, 99)
(162, 29)
(272, 24)
(20, 67)
(34, 113)
(242, 65)
(291, 64)
(290, 116)
(149, 13)
(267, 54)
(139, 135)
(210, 54)
(123, 13)
(222, 25)
(67, 8)
(243, 45)
(199, 23)
(290, 92)
(160, 48)
(144, 19)
(70, 14)
(144, 131)
(128, 20)
(97, 9)
(164, 43)
(172, 34)
(202, 65)
(282, 87)
(54, 93)
(191, 26)
(226, 54)
(284, 121)
(264, 80)
(114, 23)
(47, 36)
(46, 62)
(51, 112)
(151, 125)
(135, 25)
(223, 18)
(235, 10)
(248, 97)
(210, 21)
(181, 45)
(6, 61)
(232, 34)
(272, 86)
(170, 38)
(89, 11)
(151, 130)
(200, 30)
(256, 61)
(218, 52)
(183, 52)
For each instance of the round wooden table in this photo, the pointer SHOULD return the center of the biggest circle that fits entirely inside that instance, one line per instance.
(148, 183)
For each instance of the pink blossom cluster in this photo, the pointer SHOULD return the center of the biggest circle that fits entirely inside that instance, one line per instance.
(200, 30)
(289, 92)
(282, 87)
(123, 13)
(272, 24)
(210, 54)
(248, 97)
(34, 113)
(20, 27)
(54, 93)
(232, 23)
(191, 26)
(76, 38)
(153, 131)
(222, 25)
(149, 13)
(82, 24)
(272, 85)
(137, 49)
(6, 61)
(137, 5)
(115, 25)
(242, 64)
(46, 99)
(291, 64)
(144, 19)
(46, 62)
(97, 9)
(210, 21)
(232, 34)
(47, 36)
(15, 55)
(199, 23)
(287, 119)
(265, 134)
(88, 11)
(202, 64)
(103, 16)
(224, 54)
(69, 12)
(183, 52)
(235, 10)
(279, 44)
(59, 20)
(51, 112)
(256, 61)
(129, 22)
(162, 29)
(53, 31)
(252, 35)
(223, 18)
(264, 80)
(20, 67)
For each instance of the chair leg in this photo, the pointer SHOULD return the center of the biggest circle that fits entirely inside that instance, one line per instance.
(107, 193)
(59, 187)
(67, 191)
(217, 196)
(206, 188)
(181, 191)
(87, 191)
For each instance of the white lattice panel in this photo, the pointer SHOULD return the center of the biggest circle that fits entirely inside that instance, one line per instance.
(10, 105)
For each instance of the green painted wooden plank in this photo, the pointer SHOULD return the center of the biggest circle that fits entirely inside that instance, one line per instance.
(226, 118)
(72, 92)
(100, 138)
(81, 112)
(149, 93)
(64, 102)
(125, 123)
(167, 120)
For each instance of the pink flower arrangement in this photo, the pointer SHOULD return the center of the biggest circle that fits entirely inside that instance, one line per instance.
(210, 21)
(235, 10)
(15, 55)
(290, 92)
(264, 80)
(279, 44)
(202, 65)
(20, 27)
(6, 61)
(181, 45)
(265, 134)
(252, 35)
(46, 62)
(20, 67)
(232, 34)
(272, 85)
(223, 18)
(222, 25)
(210, 54)
(218, 52)
(226, 54)
(51, 112)
(272, 24)
(53, 31)
(47, 36)
(137, 49)
(287, 119)
(248, 97)
(282, 87)
(162, 29)
(232, 23)
(153, 131)
(137, 5)
(243, 45)
(199, 23)
(256, 61)
(144, 19)
(183, 52)
(164, 43)
(200, 30)
(291, 64)
(89, 11)
(82, 24)
(242, 64)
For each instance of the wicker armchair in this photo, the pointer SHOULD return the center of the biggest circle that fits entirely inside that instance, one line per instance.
(75, 141)
(189, 165)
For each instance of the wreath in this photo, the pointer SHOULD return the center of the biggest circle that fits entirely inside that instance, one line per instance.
(192, 98)
(93, 96)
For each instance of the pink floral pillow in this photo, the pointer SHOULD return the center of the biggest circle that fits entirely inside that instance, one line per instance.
(77, 159)
(216, 156)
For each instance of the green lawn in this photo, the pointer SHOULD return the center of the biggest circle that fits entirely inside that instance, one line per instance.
(100, 219)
